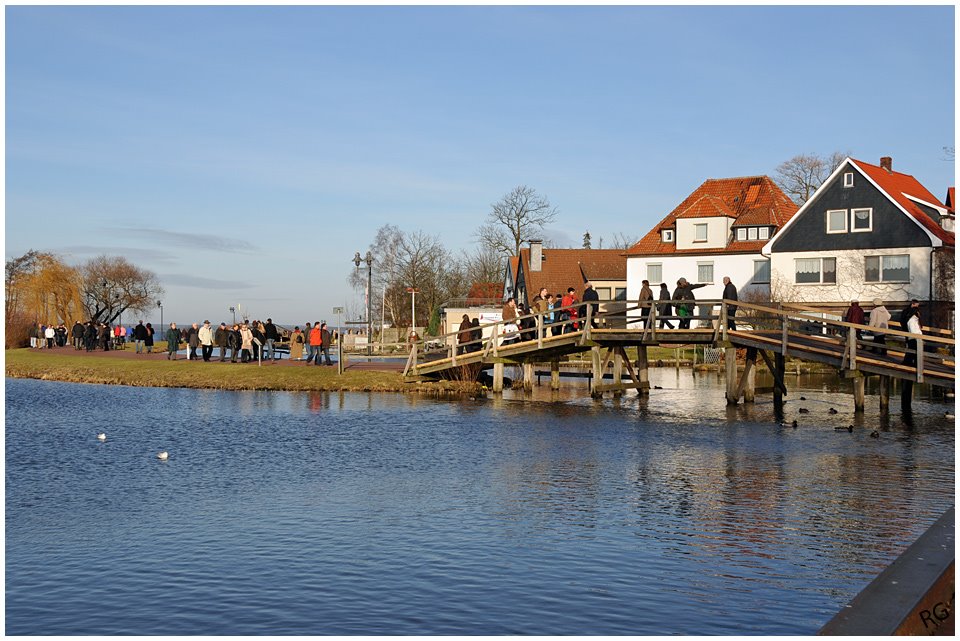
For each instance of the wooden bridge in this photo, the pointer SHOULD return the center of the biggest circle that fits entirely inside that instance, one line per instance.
(771, 332)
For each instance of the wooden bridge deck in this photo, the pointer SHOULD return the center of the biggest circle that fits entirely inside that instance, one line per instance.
(784, 332)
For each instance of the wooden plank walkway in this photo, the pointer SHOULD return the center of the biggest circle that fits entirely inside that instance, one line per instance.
(784, 332)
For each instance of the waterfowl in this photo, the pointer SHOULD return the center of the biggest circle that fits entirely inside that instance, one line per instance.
(804, 410)
(832, 411)
(949, 416)
(794, 424)
(163, 456)
(874, 434)
(803, 398)
(101, 436)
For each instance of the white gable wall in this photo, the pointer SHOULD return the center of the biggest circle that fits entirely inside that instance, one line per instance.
(739, 267)
(850, 283)
(718, 233)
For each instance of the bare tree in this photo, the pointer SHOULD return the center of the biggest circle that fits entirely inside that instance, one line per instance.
(482, 265)
(802, 175)
(517, 217)
(624, 241)
(111, 285)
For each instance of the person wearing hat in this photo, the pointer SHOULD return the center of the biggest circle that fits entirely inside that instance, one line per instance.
(220, 337)
(879, 319)
(205, 336)
(855, 315)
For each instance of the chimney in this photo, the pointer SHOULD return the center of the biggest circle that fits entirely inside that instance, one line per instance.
(886, 162)
(536, 255)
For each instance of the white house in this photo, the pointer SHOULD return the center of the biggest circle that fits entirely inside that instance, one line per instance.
(717, 231)
(868, 232)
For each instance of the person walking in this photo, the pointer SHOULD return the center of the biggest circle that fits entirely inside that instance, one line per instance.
(139, 337)
(90, 336)
(684, 293)
(325, 340)
(508, 315)
(49, 334)
(644, 301)
(591, 298)
(296, 344)
(148, 341)
(879, 320)
(173, 342)
(205, 337)
(910, 320)
(665, 308)
(246, 343)
(272, 336)
(193, 341)
(77, 335)
(476, 335)
(856, 316)
(233, 342)
(220, 340)
(730, 293)
(464, 335)
(316, 343)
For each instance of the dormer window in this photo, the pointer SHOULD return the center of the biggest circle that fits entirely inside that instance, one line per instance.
(667, 235)
(700, 233)
(848, 179)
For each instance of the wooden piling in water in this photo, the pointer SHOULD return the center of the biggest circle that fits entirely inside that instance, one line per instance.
(528, 377)
(730, 362)
(555, 374)
(497, 377)
(884, 394)
(859, 393)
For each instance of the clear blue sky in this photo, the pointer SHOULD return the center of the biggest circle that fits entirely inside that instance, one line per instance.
(245, 153)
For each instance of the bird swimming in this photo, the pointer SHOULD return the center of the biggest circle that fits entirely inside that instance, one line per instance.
(832, 411)
(804, 410)
(163, 455)
(874, 434)
(101, 436)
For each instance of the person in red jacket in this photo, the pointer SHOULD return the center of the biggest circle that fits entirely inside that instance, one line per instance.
(316, 342)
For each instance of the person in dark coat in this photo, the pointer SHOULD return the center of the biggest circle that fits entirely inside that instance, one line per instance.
(644, 302)
(272, 336)
(730, 293)
(592, 298)
(684, 292)
(220, 340)
(139, 337)
(90, 336)
(476, 335)
(234, 341)
(103, 336)
(665, 309)
(173, 342)
(464, 335)
(193, 341)
(77, 334)
(148, 341)
(326, 338)
(855, 315)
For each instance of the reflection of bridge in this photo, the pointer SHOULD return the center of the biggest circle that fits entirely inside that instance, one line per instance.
(773, 333)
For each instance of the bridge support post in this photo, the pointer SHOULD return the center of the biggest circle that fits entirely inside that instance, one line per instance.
(528, 378)
(617, 373)
(859, 393)
(906, 396)
(780, 367)
(749, 384)
(597, 371)
(643, 372)
(555, 374)
(730, 362)
(884, 394)
(497, 378)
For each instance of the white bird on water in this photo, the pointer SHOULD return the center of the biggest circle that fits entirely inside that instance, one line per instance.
(101, 436)
(163, 456)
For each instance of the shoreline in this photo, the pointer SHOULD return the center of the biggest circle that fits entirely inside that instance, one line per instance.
(124, 367)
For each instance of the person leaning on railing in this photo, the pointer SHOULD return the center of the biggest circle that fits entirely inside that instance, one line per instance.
(879, 319)
(910, 320)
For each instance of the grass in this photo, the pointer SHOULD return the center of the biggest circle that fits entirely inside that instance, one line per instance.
(58, 366)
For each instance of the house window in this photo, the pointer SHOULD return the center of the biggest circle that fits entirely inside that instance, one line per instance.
(886, 269)
(761, 271)
(752, 233)
(741, 233)
(836, 221)
(619, 293)
(764, 233)
(848, 179)
(700, 230)
(815, 270)
(704, 272)
(603, 293)
(655, 272)
(861, 220)
(667, 235)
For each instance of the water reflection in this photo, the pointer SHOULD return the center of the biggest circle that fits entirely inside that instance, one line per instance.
(344, 513)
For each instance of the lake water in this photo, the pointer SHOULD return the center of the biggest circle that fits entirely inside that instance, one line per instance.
(320, 513)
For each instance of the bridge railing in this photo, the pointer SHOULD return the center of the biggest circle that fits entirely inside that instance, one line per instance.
(930, 349)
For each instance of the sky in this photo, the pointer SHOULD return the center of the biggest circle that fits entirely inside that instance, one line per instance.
(244, 154)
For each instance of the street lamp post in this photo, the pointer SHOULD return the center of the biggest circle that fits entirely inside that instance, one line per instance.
(233, 310)
(413, 307)
(160, 305)
(368, 259)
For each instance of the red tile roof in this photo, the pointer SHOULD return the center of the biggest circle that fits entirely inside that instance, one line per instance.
(898, 186)
(751, 200)
(563, 268)
(483, 292)
(950, 202)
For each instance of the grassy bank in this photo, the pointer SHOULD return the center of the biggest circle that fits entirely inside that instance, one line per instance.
(63, 366)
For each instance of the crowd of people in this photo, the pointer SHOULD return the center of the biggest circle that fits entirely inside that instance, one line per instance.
(248, 341)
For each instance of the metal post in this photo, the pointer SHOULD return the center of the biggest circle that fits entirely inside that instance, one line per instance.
(369, 260)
